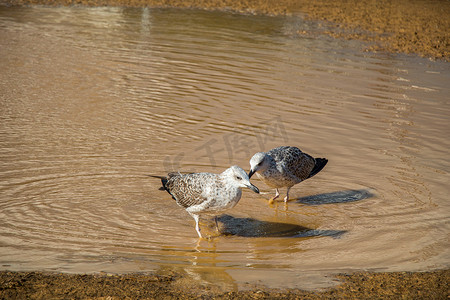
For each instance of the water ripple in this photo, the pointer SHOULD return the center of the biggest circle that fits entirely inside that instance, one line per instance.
(96, 99)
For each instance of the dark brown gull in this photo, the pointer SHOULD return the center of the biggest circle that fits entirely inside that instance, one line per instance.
(284, 167)
(207, 192)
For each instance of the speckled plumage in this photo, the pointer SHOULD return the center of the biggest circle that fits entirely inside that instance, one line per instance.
(285, 166)
(207, 192)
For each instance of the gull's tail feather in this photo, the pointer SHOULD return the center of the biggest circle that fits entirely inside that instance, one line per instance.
(320, 163)
(156, 176)
(164, 180)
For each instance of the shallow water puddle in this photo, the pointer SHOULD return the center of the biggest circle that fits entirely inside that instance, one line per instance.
(94, 100)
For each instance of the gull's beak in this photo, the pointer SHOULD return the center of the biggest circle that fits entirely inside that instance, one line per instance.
(253, 188)
(250, 174)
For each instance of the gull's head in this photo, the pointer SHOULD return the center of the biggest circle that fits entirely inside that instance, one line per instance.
(258, 163)
(237, 176)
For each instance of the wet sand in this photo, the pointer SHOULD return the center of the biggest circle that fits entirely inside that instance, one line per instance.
(37, 285)
(419, 27)
(416, 27)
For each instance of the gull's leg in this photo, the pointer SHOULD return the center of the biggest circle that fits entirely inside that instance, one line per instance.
(196, 218)
(217, 225)
(287, 195)
(277, 194)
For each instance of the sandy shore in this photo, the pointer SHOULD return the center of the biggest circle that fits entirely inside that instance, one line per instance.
(416, 27)
(420, 27)
(37, 285)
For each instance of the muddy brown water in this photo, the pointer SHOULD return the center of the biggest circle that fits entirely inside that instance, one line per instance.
(95, 99)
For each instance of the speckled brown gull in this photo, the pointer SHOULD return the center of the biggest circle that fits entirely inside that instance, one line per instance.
(284, 167)
(207, 192)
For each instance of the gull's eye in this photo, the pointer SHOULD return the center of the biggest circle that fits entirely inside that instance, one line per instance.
(238, 178)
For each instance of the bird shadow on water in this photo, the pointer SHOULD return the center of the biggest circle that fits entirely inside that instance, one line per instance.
(249, 227)
(336, 197)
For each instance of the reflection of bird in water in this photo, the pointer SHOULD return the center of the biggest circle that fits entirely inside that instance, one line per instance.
(284, 167)
(206, 192)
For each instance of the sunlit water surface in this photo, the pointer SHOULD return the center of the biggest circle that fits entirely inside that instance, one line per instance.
(94, 99)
